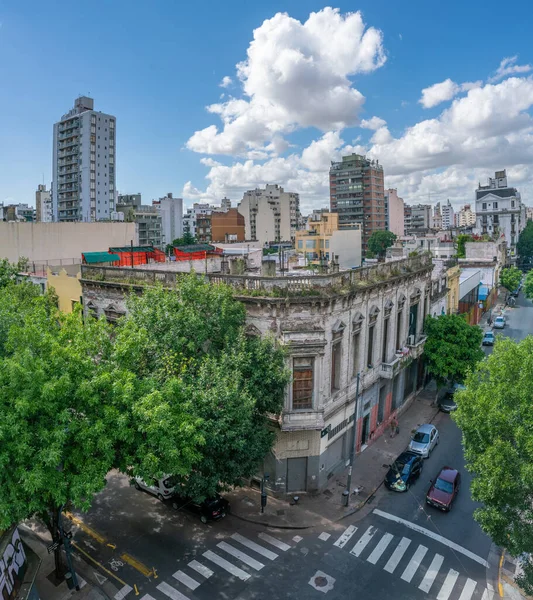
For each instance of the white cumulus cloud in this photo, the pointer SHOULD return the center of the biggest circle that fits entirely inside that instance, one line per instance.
(226, 81)
(445, 90)
(373, 123)
(296, 75)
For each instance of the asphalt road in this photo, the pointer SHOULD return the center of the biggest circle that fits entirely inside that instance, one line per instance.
(443, 553)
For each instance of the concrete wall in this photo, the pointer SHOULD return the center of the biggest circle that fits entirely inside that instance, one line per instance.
(56, 241)
(346, 244)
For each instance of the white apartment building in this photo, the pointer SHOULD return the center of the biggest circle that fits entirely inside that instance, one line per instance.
(466, 217)
(270, 215)
(448, 220)
(43, 204)
(84, 161)
(394, 212)
(436, 218)
(499, 209)
(171, 211)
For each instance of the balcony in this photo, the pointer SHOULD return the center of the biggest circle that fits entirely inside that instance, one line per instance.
(302, 419)
(391, 369)
(415, 343)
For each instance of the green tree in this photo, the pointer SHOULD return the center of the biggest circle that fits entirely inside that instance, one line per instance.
(379, 241)
(461, 241)
(524, 246)
(452, 348)
(528, 285)
(186, 240)
(510, 278)
(231, 381)
(495, 416)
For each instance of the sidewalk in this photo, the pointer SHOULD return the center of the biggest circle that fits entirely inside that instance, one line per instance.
(369, 469)
(37, 538)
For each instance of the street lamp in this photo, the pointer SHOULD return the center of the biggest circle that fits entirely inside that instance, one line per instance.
(266, 477)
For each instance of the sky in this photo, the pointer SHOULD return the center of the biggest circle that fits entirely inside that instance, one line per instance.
(216, 98)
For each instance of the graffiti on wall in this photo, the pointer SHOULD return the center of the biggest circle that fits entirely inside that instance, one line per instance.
(12, 567)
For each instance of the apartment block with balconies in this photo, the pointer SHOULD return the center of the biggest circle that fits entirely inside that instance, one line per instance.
(84, 164)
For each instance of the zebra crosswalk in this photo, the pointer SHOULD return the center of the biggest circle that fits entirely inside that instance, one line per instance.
(381, 547)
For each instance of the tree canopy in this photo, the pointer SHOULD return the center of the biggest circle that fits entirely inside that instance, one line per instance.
(524, 247)
(176, 388)
(510, 278)
(452, 348)
(528, 285)
(462, 239)
(379, 241)
(187, 240)
(495, 416)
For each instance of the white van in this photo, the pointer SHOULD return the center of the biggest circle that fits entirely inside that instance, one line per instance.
(163, 488)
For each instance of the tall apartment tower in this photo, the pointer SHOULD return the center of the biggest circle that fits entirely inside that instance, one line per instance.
(357, 193)
(43, 205)
(171, 211)
(448, 220)
(84, 162)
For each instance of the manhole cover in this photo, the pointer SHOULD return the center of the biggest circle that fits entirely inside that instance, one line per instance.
(321, 581)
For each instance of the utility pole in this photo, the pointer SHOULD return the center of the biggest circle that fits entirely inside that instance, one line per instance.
(347, 492)
(65, 537)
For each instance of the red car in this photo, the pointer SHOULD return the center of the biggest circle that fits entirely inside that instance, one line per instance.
(443, 490)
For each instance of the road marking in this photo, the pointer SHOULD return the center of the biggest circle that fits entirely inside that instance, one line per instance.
(414, 563)
(247, 560)
(363, 541)
(191, 583)
(123, 592)
(380, 548)
(200, 568)
(431, 573)
(448, 584)
(324, 536)
(81, 582)
(255, 547)
(297, 538)
(488, 595)
(227, 566)
(468, 590)
(100, 578)
(397, 555)
(137, 564)
(171, 592)
(434, 536)
(147, 597)
(277, 543)
(95, 535)
(97, 563)
(346, 536)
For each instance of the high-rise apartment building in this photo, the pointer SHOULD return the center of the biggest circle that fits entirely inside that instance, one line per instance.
(499, 209)
(448, 219)
(146, 216)
(357, 193)
(84, 161)
(43, 204)
(417, 218)
(270, 215)
(466, 217)
(171, 211)
(394, 212)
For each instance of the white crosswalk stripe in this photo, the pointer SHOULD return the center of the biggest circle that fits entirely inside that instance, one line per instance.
(255, 547)
(247, 560)
(414, 563)
(147, 597)
(346, 536)
(171, 592)
(191, 583)
(380, 548)
(488, 595)
(363, 541)
(397, 555)
(200, 568)
(448, 584)
(123, 592)
(275, 542)
(468, 589)
(431, 573)
(226, 565)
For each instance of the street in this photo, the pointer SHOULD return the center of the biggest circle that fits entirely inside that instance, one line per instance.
(395, 545)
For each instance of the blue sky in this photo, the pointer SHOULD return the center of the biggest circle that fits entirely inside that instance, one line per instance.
(156, 66)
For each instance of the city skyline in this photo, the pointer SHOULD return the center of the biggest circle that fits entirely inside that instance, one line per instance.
(437, 126)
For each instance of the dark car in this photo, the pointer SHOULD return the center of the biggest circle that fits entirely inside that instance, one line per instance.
(488, 339)
(448, 404)
(211, 509)
(444, 489)
(404, 471)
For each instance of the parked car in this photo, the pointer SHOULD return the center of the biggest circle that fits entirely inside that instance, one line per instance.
(499, 322)
(444, 489)
(403, 472)
(447, 403)
(163, 488)
(425, 438)
(210, 509)
(488, 338)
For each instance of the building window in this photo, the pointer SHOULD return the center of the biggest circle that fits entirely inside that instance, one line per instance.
(300, 244)
(310, 244)
(484, 206)
(302, 383)
(385, 340)
(356, 342)
(336, 366)
(370, 354)
(495, 205)
(512, 203)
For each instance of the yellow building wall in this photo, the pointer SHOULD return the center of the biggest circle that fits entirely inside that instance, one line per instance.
(67, 288)
(453, 289)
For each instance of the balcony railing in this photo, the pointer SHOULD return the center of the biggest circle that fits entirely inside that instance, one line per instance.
(302, 419)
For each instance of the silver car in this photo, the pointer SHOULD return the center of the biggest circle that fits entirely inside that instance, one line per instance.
(425, 438)
(499, 323)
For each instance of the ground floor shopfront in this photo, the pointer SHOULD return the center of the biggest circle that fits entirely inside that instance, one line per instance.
(304, 461)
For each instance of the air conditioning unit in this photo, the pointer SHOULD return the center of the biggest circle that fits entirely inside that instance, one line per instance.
(411, 340)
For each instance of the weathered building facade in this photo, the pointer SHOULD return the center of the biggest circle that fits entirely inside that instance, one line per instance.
(367, 322)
